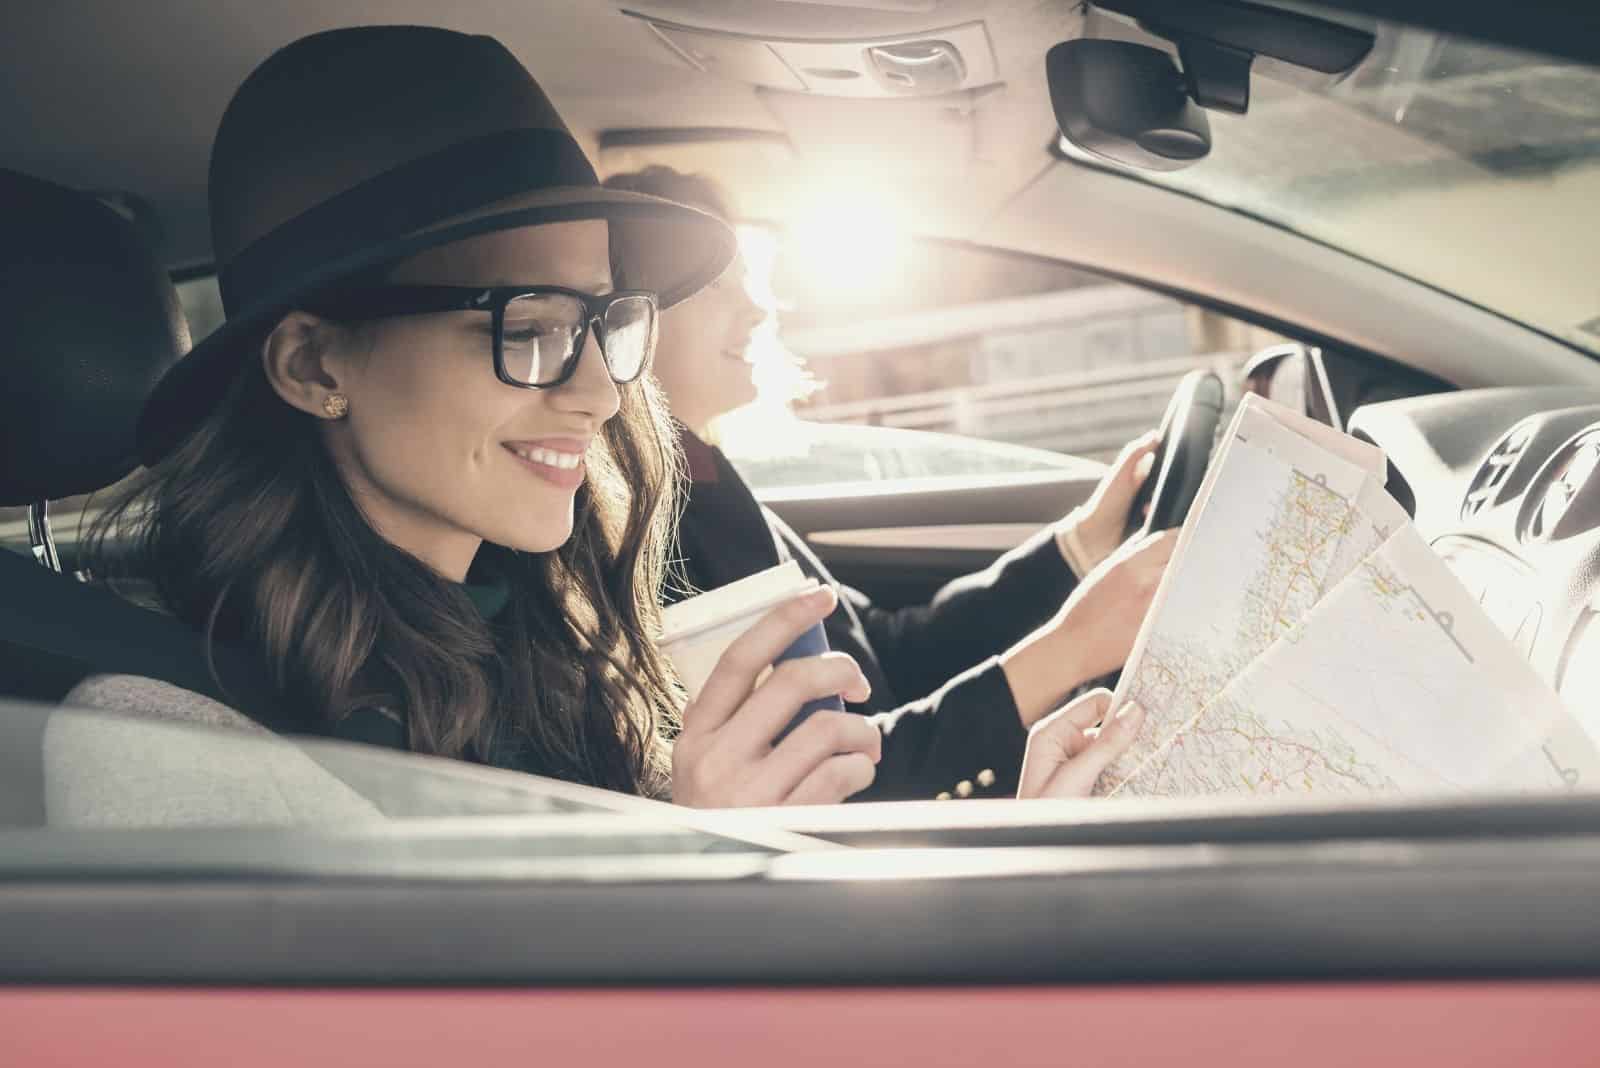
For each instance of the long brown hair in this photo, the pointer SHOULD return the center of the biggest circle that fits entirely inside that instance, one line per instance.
(249, 534)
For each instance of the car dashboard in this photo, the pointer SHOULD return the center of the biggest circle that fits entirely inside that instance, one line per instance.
(1505, 485)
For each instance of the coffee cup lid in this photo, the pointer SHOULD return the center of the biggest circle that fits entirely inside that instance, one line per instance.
(754, 593)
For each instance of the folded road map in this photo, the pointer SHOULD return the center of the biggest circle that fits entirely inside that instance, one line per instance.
(1306, 640)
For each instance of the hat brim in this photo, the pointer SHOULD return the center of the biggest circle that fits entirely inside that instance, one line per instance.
(702, 248)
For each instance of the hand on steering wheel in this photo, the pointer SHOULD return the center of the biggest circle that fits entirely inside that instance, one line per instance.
(1188, 432)
(1093, 530)
(1152, 483)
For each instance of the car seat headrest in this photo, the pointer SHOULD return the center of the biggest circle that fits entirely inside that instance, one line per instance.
(88, 322)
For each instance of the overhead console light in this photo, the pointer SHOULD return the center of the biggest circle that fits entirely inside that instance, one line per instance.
(919, 66)
(1131, 104)
(930, 63)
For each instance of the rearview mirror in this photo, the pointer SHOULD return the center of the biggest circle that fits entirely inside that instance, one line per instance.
(1127, 103)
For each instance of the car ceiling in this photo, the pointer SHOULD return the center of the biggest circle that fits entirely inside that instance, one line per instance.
(126, 97)
(118, 97)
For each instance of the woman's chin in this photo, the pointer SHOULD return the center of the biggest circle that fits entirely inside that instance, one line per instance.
(545, 534)
(736, 400)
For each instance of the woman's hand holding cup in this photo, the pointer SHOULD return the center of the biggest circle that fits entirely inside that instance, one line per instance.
(729, 752)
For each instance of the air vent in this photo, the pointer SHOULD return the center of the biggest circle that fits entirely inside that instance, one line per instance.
(1561, 502)
(1496, 468)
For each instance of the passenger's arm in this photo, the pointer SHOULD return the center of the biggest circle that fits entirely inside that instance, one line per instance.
(725, 755)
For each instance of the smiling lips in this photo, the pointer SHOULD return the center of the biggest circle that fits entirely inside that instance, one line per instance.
(556, 461)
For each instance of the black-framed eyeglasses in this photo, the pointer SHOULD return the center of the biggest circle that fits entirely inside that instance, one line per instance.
(539, 331)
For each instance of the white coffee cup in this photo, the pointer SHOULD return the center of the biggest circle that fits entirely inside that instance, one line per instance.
(696, 632)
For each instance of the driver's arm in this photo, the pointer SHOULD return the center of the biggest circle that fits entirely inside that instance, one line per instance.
(921, 647)
(1093, 530)
(988, 612)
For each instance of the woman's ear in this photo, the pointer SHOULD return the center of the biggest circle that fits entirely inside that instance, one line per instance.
(300, 362)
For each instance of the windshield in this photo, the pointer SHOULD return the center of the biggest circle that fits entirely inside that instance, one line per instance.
(1472, 168)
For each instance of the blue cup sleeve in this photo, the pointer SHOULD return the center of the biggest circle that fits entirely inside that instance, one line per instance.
(813, 642)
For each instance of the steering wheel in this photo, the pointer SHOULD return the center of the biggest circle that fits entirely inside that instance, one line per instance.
(1188, 431)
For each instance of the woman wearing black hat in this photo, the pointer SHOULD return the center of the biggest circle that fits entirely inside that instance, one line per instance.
(421, 470)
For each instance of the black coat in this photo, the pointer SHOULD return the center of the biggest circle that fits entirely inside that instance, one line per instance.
(938, 692)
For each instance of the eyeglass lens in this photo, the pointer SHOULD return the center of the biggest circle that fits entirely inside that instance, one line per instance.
(540, 333)
(629, 329)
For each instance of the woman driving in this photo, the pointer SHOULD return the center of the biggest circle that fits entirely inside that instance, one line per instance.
(1052, 620)
(422, 473)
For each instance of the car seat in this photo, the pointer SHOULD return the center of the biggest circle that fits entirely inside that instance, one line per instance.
(88, 322)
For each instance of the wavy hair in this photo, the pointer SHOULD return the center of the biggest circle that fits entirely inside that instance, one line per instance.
(250, 535)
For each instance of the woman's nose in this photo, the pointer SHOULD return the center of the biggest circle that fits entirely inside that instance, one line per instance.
(590, 391)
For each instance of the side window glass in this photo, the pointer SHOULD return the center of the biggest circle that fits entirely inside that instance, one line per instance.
(964, 361)
(202, 305)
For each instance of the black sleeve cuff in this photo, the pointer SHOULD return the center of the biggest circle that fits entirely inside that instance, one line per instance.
(964, 740)
(1037, 565)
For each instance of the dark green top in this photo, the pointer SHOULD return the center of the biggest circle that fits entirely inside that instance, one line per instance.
(490, 592)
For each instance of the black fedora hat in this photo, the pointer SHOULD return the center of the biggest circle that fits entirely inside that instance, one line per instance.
(354, 148)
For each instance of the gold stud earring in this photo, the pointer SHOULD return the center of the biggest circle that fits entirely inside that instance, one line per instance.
(336, 405)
